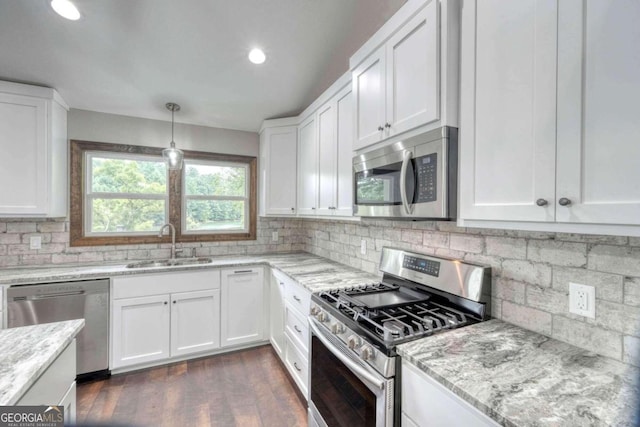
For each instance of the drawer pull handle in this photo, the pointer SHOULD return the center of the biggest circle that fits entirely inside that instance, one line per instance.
(296, 366)
(295, 297)
(297, 329)
(242, 271)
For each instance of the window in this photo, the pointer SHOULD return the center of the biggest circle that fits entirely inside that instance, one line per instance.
(123, 194)
(126, 194)
(216, 197)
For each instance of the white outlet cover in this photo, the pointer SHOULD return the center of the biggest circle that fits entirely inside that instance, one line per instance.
(35, 242)
(274, 236)
(363, 247)
(582, 300)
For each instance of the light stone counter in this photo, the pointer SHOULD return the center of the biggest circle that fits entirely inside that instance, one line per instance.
(311, 271)
(26, 352)
(521, 378)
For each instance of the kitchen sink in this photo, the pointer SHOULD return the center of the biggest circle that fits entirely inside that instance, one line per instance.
(169, 262)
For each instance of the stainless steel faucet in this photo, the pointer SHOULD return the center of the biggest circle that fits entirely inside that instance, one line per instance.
(173, 238)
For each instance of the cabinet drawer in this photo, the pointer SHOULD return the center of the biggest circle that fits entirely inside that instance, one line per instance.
(297, 365)
(164, 283)
(297, 327)
(298, 297)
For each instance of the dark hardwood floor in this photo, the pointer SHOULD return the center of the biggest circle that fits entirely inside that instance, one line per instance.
(244, 388)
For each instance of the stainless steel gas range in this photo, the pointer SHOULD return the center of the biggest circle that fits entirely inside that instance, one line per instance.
(355, 370)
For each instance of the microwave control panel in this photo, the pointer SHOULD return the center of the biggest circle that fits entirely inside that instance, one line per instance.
(421, 265)
(426, 174)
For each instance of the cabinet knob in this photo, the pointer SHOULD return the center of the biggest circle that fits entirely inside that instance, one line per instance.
(387, 125)
(380, 128)
(174, 302)
(542, 202)
(166, 302)
(564, 202)
(313, 208)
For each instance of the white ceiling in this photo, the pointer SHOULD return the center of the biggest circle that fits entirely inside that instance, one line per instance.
(130, 57)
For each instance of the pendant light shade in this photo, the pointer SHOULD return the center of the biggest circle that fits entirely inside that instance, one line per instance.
(172, 155)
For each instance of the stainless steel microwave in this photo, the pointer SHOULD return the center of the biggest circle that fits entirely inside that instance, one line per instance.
(410, 179)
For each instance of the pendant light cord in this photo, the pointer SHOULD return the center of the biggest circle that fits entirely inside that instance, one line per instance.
(172, 121)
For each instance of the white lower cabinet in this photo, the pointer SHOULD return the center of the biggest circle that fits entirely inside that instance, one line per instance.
(161, 316)
(427, 403)
(243, 310)
(276, 314)
(189, 311)
(296, 362)
(141, 330)
(56, 385)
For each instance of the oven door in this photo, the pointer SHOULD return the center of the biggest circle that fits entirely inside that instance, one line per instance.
(344, 391)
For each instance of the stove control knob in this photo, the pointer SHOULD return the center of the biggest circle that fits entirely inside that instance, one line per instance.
(367, 353)
(315, 310)
(353, 342)
(321, 316)
(337, 328)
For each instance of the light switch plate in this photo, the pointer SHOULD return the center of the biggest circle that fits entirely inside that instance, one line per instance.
(35, 242)
(582, 300)
(363, 247)
(274, 236)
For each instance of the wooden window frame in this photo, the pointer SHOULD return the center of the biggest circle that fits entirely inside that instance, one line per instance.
(77, 182)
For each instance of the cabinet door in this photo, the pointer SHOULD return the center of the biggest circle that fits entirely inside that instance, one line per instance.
(327, 159)
(276, 314)
(242, 307)
(598, 110)
(344, 118)
(413, 87)
(307, 167)
(195, 322)
(23, 142)
(69, 402)
(508, 110)
(369, 92)
(280, 170)
(140, 330)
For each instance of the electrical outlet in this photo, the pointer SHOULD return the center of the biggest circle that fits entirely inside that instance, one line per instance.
(274, 236)
(582, 300)
(363, 247)
(35, 242)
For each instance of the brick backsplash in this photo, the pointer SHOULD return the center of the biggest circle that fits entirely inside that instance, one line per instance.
(15, 234)
(531, 270)
(531, 273)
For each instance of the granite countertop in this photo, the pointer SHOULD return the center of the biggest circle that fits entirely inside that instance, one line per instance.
(26, 352)
(311, 271)
(521, 378)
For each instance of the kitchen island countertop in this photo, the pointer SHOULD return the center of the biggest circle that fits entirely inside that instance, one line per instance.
(521, 378)
(26, 352)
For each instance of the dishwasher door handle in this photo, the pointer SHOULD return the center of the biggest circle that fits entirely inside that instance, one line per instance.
(56, 295)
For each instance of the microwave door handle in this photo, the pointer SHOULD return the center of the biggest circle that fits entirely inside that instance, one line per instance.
(357, 369)
(406, 158)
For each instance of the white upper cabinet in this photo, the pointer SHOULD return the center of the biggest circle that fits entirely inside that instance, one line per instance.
(507, 160)
(396, 75)
(344, 140)
(278, 148)
(549, 110)
(327, 158)
(33, 140)
(598, 112)
(307, 167)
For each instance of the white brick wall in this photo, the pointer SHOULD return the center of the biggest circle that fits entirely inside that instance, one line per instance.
(531, 274)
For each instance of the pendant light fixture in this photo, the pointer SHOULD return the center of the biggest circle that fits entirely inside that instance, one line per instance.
(172, 155)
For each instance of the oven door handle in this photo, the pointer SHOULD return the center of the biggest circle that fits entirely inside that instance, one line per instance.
(357, 369)
(406, 158)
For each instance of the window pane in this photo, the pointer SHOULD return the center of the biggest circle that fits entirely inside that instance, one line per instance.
(128, 176)
(126, 215)
(215, 215)
(208, 180)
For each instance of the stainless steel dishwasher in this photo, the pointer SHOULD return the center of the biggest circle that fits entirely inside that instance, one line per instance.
(54, 302)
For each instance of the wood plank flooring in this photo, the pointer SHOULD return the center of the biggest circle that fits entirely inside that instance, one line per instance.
(245, 388)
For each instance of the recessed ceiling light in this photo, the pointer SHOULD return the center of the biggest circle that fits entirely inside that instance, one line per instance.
(66, 9)
(257, 56)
